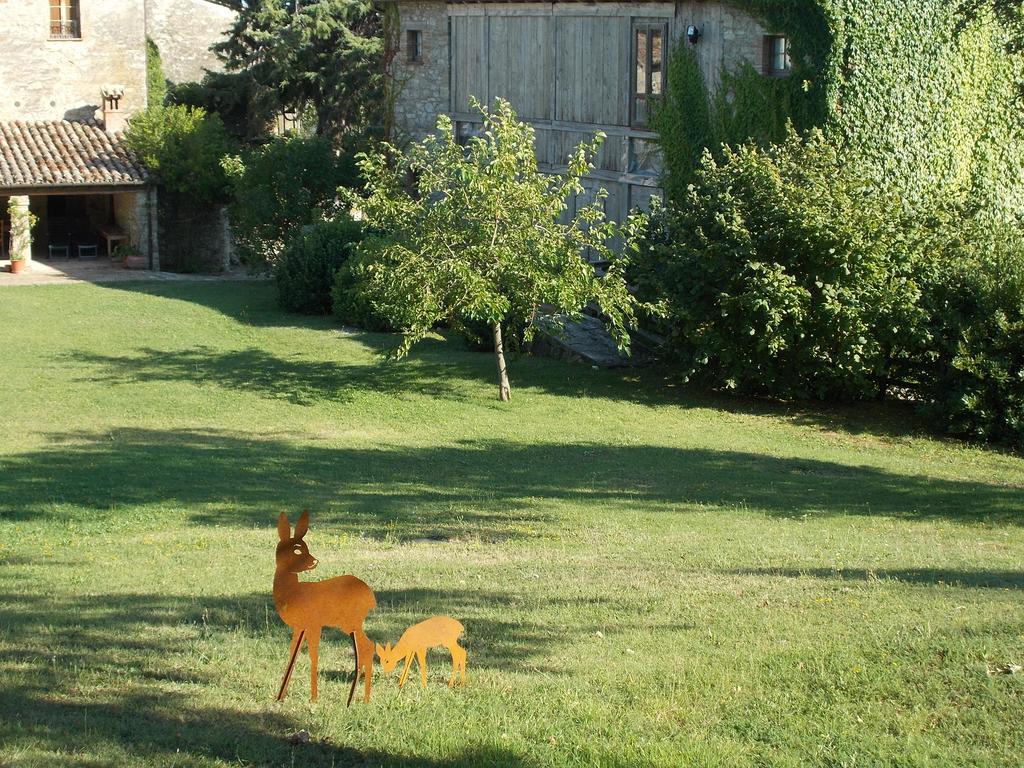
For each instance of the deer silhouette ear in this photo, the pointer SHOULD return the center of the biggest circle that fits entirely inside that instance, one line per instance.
(303, 525)
(284, 530)
(380, 650)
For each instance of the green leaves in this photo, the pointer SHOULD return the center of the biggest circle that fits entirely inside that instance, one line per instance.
(327, 56)
(309, 261)
(281, 186)
(184, 148)
(779, 270)
(477, 234)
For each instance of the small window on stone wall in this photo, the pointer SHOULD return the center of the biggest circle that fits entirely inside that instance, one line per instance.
(65, 20)
(776, 56)
(414, 46)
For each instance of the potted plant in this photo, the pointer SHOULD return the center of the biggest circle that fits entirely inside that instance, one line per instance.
(132, 258)
(121, 250)
(19, 263)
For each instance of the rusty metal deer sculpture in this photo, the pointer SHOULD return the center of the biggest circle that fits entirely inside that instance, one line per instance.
(308, 607)
(440, 631)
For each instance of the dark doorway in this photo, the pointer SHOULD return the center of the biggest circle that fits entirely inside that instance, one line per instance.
(70, 224)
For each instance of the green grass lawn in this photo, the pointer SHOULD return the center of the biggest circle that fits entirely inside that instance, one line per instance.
(647, 576)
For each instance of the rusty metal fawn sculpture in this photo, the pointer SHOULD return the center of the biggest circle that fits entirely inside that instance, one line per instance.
(308, 607)
(438, 632)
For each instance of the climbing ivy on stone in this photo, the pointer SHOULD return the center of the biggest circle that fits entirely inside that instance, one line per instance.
(922, 94)
(156, 83)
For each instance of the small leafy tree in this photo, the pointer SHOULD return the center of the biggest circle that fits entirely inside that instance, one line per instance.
(480, 237)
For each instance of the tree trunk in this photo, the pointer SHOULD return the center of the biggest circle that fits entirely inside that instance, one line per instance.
(504, 391)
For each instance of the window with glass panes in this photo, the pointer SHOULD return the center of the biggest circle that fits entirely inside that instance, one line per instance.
(776, 55)
(65, 20)
(648, 70)
(414, 46)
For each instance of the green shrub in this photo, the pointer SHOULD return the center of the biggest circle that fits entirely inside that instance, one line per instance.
(308, 263)
(783, 274)
(281, 186)
(974, 380)
(231, 95)
(349, 299)
(183, 147)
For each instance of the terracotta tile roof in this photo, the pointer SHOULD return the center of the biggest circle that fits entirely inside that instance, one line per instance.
(62, 153)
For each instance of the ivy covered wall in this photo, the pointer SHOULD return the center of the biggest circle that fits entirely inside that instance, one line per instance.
(929, 98)
(921, 90)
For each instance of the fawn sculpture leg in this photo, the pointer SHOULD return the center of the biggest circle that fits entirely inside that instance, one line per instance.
(458, 663)
(422, 658)
(405, 670)
(355, 677)
(297, 636)
(313, 641)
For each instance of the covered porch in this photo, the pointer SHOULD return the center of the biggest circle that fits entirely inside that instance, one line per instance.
(70, 191)
(82, 225)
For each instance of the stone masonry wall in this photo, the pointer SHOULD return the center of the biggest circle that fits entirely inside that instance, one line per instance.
(184, 30)
(728, 37)
(421, 89)
(132, 211)
(44, 79)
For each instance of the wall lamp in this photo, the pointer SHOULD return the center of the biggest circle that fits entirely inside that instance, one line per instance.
(692, 34)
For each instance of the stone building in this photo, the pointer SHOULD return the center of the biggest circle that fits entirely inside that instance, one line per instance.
(570, 69)
(71, 74)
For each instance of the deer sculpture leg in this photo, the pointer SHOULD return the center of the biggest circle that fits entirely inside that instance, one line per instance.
(364, 657)
(297, 637)
(355, 674)
(313, 641)
(421, 657)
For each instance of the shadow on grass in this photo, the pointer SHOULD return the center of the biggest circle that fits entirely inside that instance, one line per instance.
(104, 631)
(296, 380)
(924, 576)
(475, 488)
(439, 369)
(111, 675)
(170, 728)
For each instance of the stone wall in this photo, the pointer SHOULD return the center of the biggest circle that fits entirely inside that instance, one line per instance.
(45, 79)
(192, 238)
(184, 30)
(420, 89)
(728, 37)
(132, 212)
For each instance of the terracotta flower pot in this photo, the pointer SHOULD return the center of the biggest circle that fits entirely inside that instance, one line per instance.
(136, 262)
(19, 266)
